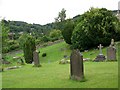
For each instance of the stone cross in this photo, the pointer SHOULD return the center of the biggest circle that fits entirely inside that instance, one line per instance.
(100, 56)
(112, 42)
(100, 48)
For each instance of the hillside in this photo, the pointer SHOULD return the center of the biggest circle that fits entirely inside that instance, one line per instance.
(20, 26)
(55, 75)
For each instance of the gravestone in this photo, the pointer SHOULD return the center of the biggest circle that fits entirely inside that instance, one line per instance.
(111, 51)
(76, 65)
(100, 56)
(36, 58)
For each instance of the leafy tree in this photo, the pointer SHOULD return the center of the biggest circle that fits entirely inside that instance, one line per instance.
(28, 48)
(67, 31)
(62, 15)
(66, 26)
(22, 39)
(95, 26)
(55, 34)
(59, 21)
(5, 30)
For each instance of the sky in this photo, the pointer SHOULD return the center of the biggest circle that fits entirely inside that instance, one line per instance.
(44, 11)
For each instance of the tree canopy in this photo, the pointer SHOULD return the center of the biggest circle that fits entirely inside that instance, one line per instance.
(94, 27)
(5, 30)
(67, 30)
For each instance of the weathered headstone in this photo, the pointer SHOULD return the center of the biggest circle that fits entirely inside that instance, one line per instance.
(76, 65)
(100, 56)
(111, 51)
(36, 58)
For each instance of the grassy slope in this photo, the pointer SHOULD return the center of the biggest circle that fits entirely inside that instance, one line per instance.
(52, 74)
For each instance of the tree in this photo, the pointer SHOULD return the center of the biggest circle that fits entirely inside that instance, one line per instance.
(5, 30)
(94, 27)
(55, 34)
(67, 31)
(28, 48)
(62, 15)
(22, 39)
(59, 21)
(66, 26)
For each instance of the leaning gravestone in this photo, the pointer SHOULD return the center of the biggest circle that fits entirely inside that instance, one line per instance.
(76, 65)
(111, 51)
(100, 56)
(36, 58)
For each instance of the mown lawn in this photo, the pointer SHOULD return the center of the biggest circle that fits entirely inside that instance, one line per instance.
(54, 75)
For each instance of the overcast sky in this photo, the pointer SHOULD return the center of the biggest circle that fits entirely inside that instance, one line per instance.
(44, 11)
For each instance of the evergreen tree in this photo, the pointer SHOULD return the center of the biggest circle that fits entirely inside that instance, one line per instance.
(28, 49)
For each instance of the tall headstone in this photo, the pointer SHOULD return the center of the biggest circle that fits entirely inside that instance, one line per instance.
(76, 65)
(100, 56)
(111, 51)
(36, 58)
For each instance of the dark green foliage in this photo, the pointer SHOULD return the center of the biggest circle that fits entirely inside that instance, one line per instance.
(55, 35)
(44, 55)
(95, 26)
(67, 31)
(45, 38)
(5, 30)
(22, 39)
(13, 44)
(28, 48)
(36, 30)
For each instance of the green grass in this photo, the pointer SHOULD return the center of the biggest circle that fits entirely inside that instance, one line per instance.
(54, 52)
(54, 75)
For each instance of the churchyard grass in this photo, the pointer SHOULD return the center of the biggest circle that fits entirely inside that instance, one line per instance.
(55, 75)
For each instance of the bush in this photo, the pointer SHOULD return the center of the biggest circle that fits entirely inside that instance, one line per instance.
(5, 49)
(55, 35)
(45, 39)
(13, 45)
(95, 26)
(38, 41)
(44, 55)
(54, 39)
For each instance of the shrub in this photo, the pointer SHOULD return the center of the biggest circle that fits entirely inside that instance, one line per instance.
(12, 45)
(38, 41)
(55, 35)
(44, 55)
(54, 39)
(5, 49)
(45, 38)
